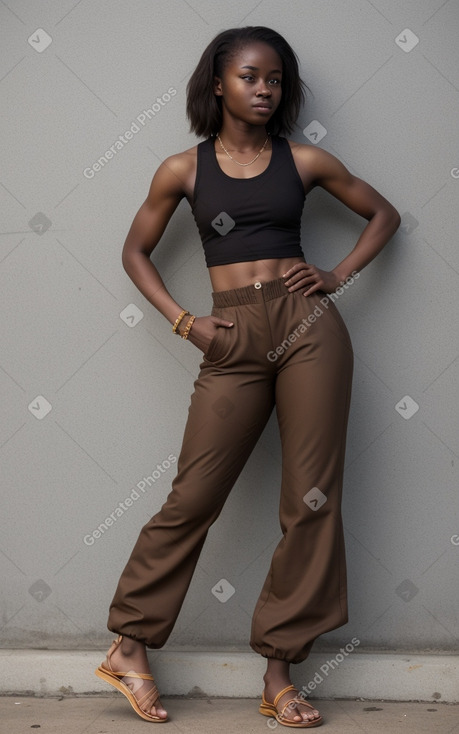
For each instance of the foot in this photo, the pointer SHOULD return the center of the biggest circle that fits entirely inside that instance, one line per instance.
(295, 714)
(131, 655)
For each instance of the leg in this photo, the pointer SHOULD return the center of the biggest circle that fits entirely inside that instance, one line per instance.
(224, 423)
(304, 594)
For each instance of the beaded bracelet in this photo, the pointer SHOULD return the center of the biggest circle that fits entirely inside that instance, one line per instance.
(188, 327)
(178, 320)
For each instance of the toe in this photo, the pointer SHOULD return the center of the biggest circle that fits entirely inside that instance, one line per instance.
(291, 713)
(304, 716)
(311, 715)
(162, 713)
(158, 710)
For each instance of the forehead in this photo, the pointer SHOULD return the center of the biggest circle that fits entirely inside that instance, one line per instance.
(257, 54)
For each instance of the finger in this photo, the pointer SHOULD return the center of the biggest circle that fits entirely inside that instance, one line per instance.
(308, 272)
(315, 287)
(223, 322)
(297, 286)
(296, 279)
(295, 276)
(305, 282)
(294, 269)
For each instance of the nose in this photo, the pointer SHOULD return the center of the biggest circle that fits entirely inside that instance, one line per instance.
(263, 90)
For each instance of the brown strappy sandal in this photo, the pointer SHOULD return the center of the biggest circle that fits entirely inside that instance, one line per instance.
(106, 672)
(270, 709)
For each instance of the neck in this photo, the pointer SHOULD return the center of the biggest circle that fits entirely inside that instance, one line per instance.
(241, 137)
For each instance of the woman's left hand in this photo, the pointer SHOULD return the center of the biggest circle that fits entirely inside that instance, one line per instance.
(305, 275)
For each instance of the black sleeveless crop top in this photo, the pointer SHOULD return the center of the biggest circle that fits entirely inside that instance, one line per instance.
(242, 219)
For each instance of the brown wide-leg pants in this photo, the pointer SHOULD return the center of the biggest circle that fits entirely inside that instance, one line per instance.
(293, 352)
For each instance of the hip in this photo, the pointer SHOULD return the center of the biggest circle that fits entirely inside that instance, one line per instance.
(272, 324)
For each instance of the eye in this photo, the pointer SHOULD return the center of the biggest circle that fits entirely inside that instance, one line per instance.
(275, 81)
(249, 77)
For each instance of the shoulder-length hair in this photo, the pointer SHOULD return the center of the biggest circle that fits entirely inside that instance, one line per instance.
(204, 108)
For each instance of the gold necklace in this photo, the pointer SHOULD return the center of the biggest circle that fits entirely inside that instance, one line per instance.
(250, 162)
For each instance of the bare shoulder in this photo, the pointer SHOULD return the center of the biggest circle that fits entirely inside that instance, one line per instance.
(316, 163)
(181, 162)
(320, 168)
(177, 172)
(305, 152)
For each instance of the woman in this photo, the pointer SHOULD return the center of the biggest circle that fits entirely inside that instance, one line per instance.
(273, 338)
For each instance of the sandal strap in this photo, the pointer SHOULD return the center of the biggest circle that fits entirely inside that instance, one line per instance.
(281, 693)
(116, 644)
(300, 702)
(148, 699)
(296, 702)
(131, 674)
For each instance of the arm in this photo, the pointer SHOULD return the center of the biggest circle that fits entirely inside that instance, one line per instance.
(147, 228)
(144, 234)
(383, 220)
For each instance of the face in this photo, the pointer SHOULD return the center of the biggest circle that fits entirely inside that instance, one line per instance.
(250, 85)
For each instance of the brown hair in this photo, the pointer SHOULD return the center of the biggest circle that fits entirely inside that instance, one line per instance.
(203, 107)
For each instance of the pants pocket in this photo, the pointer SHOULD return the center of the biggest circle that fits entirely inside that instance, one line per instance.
(222, 342)
(211, 352)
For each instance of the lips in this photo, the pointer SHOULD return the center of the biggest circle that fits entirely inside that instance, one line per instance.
(262, 106)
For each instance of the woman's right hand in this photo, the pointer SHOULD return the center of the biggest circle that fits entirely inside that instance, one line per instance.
(203, 330)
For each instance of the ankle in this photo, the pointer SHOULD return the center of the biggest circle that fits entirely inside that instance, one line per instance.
(275, 683)
(277, 671)
(130, 647)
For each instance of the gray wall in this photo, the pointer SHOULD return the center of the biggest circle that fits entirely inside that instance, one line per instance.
(79, 340)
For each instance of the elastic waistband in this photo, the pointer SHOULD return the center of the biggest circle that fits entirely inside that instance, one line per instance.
(255, 293)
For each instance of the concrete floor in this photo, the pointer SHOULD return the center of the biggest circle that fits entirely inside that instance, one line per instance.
(112, 714)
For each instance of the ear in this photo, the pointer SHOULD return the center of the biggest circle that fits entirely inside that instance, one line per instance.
(218, 86)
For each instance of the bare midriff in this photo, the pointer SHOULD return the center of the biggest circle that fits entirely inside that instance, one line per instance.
(238, 275)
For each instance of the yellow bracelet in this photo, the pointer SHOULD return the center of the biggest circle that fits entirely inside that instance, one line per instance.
(188, 327)
(178, 320)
